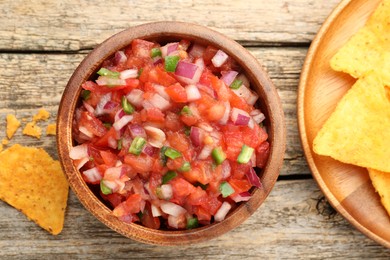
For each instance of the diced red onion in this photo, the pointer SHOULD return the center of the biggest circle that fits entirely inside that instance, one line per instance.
(172, 209)
(85, 131)
(226, 115)
(248, 95)
(156, 212)
(82, 162)
(176, 222)
(206, 126)
(253, 160)
(244, 79)
(253, 178)
(157, 60)
(148, 150)
(166, 191)
(135, 97)
(88, 107)
(92, 175)
(251, 123)
(219, 58)
(99, 110)
(128, 74)
(110, 105)
(137, 130)
(196, 136)
(192, 93)
(114, 186)
(244, 196)
(208, 90)
(187, 72)
(119, 57)
(169, 49)
(156, 137)
(107, 81)
(239, 117)
(257, 116)
(158, 101)
(118, 125)
(196, 50)
(228, 76)
(146, 104)
(161, 91)
(205, 152)
(119, 114)
(222, 211)
(79, 151)
(112, 142)
(226, 169)
(194, 110)
(113, 173)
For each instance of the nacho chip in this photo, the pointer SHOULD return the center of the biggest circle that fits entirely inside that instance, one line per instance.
(51, 129)
(33, 130)
(381, 182)
(42, 115)
(32, 182)
(5, 141)
(12, 125)
(1, 148)
(369, 48)
(357, 132)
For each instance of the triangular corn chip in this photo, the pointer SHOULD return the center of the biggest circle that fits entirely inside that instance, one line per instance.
(381, 182)
(358, 131)
(369, 48)
(32, 182)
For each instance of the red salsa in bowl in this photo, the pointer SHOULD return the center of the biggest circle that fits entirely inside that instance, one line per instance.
(169, 135)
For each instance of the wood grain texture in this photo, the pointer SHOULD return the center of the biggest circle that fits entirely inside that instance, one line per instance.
(285, 226)
(31, 81)
(74, 25)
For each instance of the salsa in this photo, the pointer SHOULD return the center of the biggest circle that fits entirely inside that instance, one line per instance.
(169, 134)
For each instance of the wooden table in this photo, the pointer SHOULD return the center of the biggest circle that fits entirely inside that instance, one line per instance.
(42, 42)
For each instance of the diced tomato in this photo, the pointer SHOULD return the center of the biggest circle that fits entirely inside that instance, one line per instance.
(104, 140)
(147, 218)
(131, 84)
(114, 198)
(202, 214)
(233, 138)
(201, 171)
(172, 122)
(92, 124)
(141, 48)
(216, 112)
(239, 185)
(178, 140)
(238, 102)
(159, 76)
(177, 93)
(94, 153)
(262, 154)
(174, 164)
(109, 158)
(152, 114)
(142, 163)
(239, 170)
(221, 89)
(181, 188)
(208, 54)
(188, 120)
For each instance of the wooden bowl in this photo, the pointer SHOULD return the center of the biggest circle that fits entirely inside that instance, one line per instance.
(164, 32)
(347, 187)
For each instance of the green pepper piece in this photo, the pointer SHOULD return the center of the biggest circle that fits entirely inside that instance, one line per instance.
(236, 84)
(155, 52)
(85, 94)
(140, 72)
(127, 107)
(107, 125)
(136, 145)
(108, 73)
(168, 176)
(119, 145)
(105, 190)
(172, 153)
(187, 130)
(192, 223)
(218, 155)
(171, 63)
(225, 189)
(186, 111)
(185, 167)
(245, 154)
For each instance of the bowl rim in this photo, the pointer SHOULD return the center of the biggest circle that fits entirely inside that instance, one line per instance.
(175, 30)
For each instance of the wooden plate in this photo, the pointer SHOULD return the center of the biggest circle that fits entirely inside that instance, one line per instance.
(347, 187)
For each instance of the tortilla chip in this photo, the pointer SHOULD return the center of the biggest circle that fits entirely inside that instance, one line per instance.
(12, 125)
(369, 48)
(1, 148)
(42, 115)
(33, 130)
(51, 129)
(4, 141)
(32, 182)
(357, 132)
(381, 182)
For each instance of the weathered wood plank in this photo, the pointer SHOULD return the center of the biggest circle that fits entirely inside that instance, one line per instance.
(75, 25)
(287, 226)
(28, 82)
